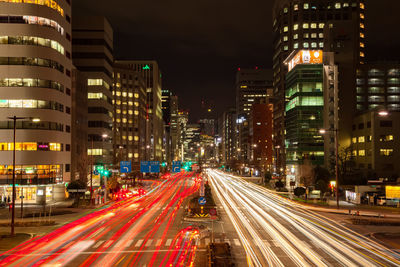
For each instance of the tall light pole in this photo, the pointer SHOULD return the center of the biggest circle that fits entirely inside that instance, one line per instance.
(91, 173)
(323, 131)
(14, 119)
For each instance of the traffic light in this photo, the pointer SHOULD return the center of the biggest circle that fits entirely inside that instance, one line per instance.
(163, 164)
(106, 173)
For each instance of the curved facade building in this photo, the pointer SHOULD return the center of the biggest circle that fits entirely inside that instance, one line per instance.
(35, 82)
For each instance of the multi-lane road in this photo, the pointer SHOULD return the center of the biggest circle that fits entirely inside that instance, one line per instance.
(133, 232)
(277, 232)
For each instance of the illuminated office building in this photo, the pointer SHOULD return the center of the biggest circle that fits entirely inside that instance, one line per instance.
(332, 26)
(129, 116)
(151, 74)
(92, 47)
(35, 82)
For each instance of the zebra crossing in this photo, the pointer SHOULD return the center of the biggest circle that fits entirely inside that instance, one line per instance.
(165, 244)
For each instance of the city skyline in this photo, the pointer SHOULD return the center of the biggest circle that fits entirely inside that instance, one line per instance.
(192, 42)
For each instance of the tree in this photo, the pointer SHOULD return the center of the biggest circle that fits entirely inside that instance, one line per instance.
(113, 184)
(267, 177)
(279, 184)
(299, 191)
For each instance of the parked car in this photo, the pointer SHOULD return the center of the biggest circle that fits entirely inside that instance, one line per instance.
(381, 201)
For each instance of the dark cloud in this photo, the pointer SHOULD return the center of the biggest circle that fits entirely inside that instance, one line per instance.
(199, 44)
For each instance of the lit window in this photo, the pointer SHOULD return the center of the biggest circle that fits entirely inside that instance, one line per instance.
(130, 155)
(136, 138)
(130, 112)
(130, 138)
(338, 5)
(95, 95)
(354, 140)
(313, 25)
(55, 146)
(136, 104)
(136, 155)
(136, 95)
(95, 82)
(118, 111)
(321, 45)
(362, 6)
(124, 94)
(361, 54)
(362, 44)
(354, 153)
(124, 120)
(118, 120)
(313, 45)
(313, 35)
(130, 94)
(345, 4)
(136, 112)
(361, 35)
(296, 7)
(285, 10)
(386, 152)
(321, 35)
(118, 102)
(361, 139)
(285, 29)
(286, 48)
(118, 93)
(321, 25)
(305, 25)
(305, 45)
(306, 35)
(295, 45)
(124, 112)
(362, 16)
(306, 6)
(361, 153)
(362, 25)
(295, 26)
(296, 36)
(124, 137)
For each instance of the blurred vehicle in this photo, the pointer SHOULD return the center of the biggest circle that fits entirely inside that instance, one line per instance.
(381, 201)
(123, 194)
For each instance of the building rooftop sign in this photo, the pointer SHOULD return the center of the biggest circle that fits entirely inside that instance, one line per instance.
(304, 57)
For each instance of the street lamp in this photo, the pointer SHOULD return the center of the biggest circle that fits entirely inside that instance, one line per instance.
(383, 113)
(324, 131)
(14, 119)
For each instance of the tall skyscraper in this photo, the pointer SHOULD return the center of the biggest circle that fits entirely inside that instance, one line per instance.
(35, 82)
(92, 53)
(251, 87)
(166, 111)
(228, 135)
(129, 116)
(151, 74)
(305, 24)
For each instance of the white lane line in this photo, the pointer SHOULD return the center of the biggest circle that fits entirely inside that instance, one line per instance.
(129, 243)
(148, 243)
(159, 241)
(109, 242)
(98, 244)
(139, 243)
(168, 243)
(237, 242)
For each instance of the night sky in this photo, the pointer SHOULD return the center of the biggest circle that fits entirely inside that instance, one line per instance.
(200, 45)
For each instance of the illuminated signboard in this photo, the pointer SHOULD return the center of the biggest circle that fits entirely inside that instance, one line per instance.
(392, 191)
(305, 57)
(146, 67)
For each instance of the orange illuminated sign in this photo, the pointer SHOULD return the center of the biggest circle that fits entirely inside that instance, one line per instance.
(306, 57)
(392, 191)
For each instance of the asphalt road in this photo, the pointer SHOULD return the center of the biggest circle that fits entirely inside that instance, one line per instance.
(145, 231)
(275, 231)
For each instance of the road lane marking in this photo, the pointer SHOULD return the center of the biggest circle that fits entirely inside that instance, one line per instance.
(129, 243)
(109, 242)
(98, 244)
(267, 243)
(237, 242)
(168, 243)
(159, 241)
(139, 243)
(148, 243)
